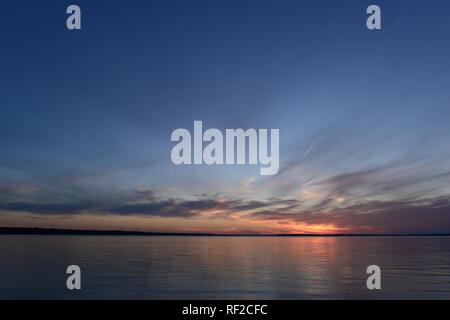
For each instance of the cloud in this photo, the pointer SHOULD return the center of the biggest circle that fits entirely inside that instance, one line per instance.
(144, 202)
(18, 188)
(407, 216)
(248, 182)
(344, 182)
(44, 208)
(372, 216)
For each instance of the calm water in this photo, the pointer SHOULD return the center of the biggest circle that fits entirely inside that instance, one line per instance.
(33, 267)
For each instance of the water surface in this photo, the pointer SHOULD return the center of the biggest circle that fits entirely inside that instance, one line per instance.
(148, 267)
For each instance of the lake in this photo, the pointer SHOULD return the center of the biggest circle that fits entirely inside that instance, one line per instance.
(158, 267)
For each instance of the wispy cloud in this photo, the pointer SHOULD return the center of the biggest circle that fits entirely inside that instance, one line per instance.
(343, 186)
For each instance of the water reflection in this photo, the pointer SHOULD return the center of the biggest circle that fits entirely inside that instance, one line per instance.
(224, 267)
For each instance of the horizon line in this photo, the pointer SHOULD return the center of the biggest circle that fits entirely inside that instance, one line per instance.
(57, 231)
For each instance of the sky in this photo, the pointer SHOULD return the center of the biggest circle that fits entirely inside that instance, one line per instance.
(86, 115)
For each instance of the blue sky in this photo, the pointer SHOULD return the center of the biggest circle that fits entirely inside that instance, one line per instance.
(86, 116)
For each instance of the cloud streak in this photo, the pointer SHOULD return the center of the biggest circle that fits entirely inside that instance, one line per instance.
(406, 192)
